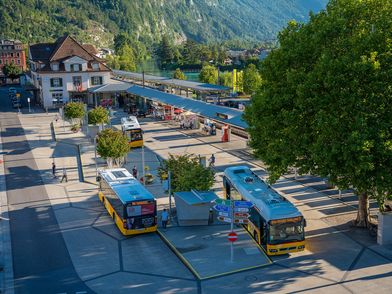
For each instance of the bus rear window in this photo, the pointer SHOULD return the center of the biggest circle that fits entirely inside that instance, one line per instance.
(139, 210)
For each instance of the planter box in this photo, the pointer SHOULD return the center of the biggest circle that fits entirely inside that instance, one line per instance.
(93, 130)
(384, 233)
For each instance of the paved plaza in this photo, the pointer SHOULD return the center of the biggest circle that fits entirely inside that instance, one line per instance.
(338, 258)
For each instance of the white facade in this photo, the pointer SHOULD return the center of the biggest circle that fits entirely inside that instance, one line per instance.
(50, 93)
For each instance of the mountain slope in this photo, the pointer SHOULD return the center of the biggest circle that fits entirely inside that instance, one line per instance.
(203, 20)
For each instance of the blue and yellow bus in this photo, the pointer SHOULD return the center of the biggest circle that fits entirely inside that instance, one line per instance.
(127, 201)
(131, 128)
(274, 222)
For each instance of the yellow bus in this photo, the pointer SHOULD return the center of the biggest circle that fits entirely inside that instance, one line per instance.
(131, 128)
(274, 222)
(132, 207)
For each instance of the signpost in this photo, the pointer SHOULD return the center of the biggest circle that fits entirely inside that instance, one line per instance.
(28, 101)
(233, 212)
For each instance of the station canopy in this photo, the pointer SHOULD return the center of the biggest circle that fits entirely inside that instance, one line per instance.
(215, 112)
(114, 86)
(175, 83)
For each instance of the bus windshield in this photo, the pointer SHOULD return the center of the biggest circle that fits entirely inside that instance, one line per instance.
(135, 135)
(286, 232)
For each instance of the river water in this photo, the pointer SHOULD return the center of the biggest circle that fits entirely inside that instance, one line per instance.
(151, 67)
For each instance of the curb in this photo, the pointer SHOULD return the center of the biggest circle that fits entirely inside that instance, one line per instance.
(6, 263)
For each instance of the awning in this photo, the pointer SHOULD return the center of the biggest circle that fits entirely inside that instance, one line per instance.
(114, 86)
(216, 112)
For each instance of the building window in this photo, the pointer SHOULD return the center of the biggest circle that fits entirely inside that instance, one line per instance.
(95, 66)
(1, 61)
(12, 54)
(55, 66)
(77, 82)
(76, 67)
(18, 61)
(56, 82)
(57, 98)
(17, 54)
(96, 81)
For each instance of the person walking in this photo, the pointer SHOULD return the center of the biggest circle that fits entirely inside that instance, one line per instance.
(165, 218)
(134, 172)
(64, 177)
(212, 160)
(54, 169)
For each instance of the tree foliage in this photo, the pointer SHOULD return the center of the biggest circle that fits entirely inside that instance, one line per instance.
(12, 71)
(208, 74)
(178, 74)
(98, 116)
(74, 110)
(187, 173)
(325, 105)
(113, 146)
(251, 79)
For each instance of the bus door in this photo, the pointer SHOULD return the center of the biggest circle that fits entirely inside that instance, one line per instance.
(141, 214)
(226, 188)
(257, 226)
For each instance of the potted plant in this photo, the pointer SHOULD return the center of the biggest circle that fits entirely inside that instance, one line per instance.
(75, 128)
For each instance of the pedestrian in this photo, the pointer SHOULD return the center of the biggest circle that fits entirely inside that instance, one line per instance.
(64, 177)
(165, 218)
(134, 172)
(54, 169)
(212, 160)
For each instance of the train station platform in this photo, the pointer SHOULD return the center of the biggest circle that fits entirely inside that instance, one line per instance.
(205, 250)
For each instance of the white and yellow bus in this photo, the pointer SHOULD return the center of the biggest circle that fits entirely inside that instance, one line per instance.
(131, 128)
(274, 222)
(127, 201)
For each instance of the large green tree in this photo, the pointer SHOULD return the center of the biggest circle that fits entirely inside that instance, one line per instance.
(166, 50)
(187, 173)
(251, 79)
(178, 74)
(112, 146)
(209, 74)
(12, 71)
(325, 105)
(98, 116)
(74, 111)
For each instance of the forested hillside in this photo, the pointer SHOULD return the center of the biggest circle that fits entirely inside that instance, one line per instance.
(98, 21)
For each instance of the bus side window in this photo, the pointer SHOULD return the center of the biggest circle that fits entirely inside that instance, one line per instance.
(226, 184)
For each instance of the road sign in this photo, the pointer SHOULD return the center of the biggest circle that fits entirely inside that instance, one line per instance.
(241, 215)
(241, 221)
(222, 213)
(224, 219)
(241, 209)
(223, 208)
(223, 202)
(243, 204)
(232, 236)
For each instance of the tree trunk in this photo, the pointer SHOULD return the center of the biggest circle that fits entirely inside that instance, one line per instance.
(362, 214)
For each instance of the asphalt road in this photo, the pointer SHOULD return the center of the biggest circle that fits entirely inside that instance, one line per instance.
(41, 260)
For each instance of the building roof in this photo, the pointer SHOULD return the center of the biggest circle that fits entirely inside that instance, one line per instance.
(216, 112)
(175, 83)
(197, 197)
(64, 48)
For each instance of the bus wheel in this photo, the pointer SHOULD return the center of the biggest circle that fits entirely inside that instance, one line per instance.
(256, 237)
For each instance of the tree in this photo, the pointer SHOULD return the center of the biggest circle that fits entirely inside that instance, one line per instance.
(127, 59)
(178, 74)
(187, 173)
(12, 71)
(209, 74)
(251, 79)
(98, 116)
(166, 50)
(227, 79)
(113, 146)
(325, 103)
(74, 111)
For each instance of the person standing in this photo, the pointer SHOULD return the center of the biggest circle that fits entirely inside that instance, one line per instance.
(134, 172)
(54, 169)
(212, 160)
(65, 177)
(165, 218)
